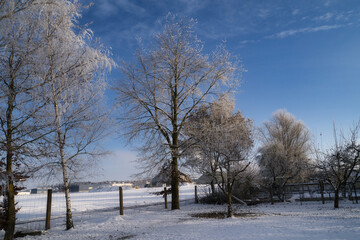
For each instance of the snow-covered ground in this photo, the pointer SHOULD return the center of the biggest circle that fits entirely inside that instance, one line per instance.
(31, 215)
(34, 206)
(310, 220)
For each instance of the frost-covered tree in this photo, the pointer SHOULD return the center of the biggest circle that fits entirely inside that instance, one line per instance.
(20, 109)
(51, 82)
(162, 88)
(221, 142)
(73, 68)
(200, 155)
(283, 156)
(16, 7)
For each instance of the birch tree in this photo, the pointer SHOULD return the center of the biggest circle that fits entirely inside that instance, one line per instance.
(222, 143)
(283, 156)
(73, 69)
(161, 89)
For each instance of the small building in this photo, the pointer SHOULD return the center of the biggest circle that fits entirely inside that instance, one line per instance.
(38, 190)
(164, 177)
(98, 186)
(82, 186)
(122, 184)
(24, 192)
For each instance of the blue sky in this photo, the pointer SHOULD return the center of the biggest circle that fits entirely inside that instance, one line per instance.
(300, 55)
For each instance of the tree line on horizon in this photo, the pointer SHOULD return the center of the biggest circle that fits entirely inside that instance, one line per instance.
(177, 100)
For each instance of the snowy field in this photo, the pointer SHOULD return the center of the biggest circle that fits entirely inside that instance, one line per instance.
(310, 220)
(34, 206)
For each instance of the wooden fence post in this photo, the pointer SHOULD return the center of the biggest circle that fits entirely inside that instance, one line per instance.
(121, 201)
(356, 198)
(271, 194)
(321, 183)
(165, 198)
(196, 195)
(48, 209)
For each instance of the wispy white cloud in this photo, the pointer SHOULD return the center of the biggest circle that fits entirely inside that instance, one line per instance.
(346, 16)
(295, 12)
(292, 32)
(129, 36)
(105, 8)
(264, 12)
(130, 7)
(326, 17)
(113, 7)
(192, 6)
(244, 43)
(222, 20)
(327, 3)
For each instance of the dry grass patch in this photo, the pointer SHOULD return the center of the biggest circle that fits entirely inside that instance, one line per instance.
(222, 215)
(20, 234)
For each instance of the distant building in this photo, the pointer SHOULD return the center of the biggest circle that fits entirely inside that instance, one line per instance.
(24, 192)
(122, 184)
(164, 177)
(90, 186)
(85, 187)
(38, 190)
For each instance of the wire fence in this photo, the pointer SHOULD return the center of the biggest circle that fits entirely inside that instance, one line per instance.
(89, 205)
(85, 205)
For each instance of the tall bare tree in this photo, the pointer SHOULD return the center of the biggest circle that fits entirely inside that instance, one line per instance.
(340, 163)
(73, 69)
(222, 141)
(283, 156)
(162, 88)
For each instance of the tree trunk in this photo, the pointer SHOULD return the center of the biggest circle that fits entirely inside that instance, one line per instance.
(69, 220)
(10, 204)
(343, 192)
(322, 194)
(10, 191)
(230, 212)
(283, 191)
(336, 198)
(350, 192)
(212, 184)
(271, 195)
(354, 189)
(175, 203)
(321, 183)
